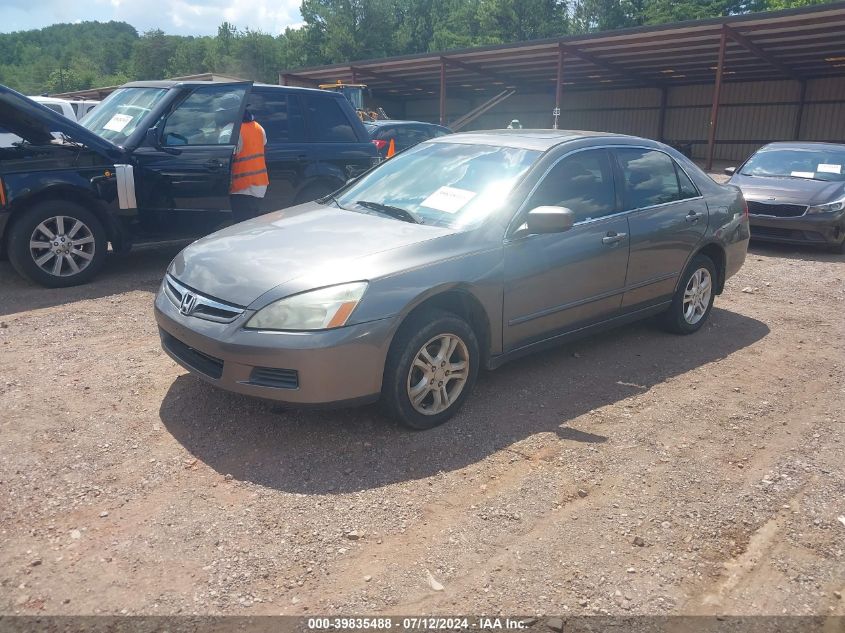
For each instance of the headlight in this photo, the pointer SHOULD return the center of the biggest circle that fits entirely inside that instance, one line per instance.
(830, 207)
(321, 309)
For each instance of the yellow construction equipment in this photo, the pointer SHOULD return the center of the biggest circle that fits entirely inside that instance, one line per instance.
(354, 93)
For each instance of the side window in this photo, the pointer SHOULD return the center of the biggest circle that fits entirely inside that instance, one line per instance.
(206, 117)
(327, 122)
(688, 189)
(583, 183)
(280, 114)
(649, 177)
(408, 136)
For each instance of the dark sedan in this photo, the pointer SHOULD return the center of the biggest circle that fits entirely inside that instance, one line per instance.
(404, 134)
(463, 252)
(795, 193)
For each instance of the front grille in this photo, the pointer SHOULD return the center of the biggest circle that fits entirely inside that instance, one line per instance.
(193, 358)
(786, 234)
(776, 210)
(277, 378)
(204, 307)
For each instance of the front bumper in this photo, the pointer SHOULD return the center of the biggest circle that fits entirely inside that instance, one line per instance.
(824, 229)
(330, 367)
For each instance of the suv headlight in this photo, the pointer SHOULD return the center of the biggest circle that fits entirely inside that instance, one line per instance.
(830, 207)
(321, 309)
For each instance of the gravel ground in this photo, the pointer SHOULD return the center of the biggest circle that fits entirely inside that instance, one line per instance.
(633, 472)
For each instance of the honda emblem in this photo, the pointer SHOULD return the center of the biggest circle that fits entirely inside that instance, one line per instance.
(188, 303)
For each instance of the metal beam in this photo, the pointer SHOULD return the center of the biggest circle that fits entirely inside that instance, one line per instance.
(799, 115)
(743, 41)
(357, 70)
(561, 58)
(661, 122)
(717, 93)
(478, 70)
(476, 112)
(611, 66)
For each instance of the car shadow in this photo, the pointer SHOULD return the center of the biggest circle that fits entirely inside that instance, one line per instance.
(328, 452)
(808, 253)
(138, 270)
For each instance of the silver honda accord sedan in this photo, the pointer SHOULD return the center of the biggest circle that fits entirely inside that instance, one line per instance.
(459, 254)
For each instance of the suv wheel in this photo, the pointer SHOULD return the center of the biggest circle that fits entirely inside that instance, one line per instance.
(693, 300)
(57, 244)
(431, 369)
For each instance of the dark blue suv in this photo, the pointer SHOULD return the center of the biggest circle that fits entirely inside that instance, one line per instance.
(152, 163)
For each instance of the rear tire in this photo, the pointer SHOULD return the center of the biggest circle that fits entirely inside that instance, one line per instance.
(837, 249)
(431, 368)
(693, 299)
(57, 244)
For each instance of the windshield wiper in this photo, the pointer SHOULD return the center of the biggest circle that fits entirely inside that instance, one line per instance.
(393, 212)
(330, 198)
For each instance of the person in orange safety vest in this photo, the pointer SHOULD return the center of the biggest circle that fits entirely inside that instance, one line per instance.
(249, 170)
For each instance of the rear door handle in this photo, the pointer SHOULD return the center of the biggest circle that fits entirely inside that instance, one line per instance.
(692, 217)
(613, 237)
(213, 164)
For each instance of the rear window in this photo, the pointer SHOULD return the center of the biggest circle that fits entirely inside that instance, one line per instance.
(280, 114)
(327, 122)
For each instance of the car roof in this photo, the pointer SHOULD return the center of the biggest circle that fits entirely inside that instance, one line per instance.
(393, 122)
(803, 145)
(541, 140)
(169, 83)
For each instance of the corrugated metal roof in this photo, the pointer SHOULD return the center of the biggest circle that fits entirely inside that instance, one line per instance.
(792, 44)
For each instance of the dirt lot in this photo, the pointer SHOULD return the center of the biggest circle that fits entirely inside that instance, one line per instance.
(633, 472)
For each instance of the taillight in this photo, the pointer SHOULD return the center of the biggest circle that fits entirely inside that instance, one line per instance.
(2, 194)
(379, 143)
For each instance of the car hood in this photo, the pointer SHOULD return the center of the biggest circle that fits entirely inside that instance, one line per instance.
(33, 122)
(323, 243)
(801, 191)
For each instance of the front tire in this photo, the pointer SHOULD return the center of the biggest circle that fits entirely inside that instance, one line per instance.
(431, 369)
(57, 244)
(693, 300)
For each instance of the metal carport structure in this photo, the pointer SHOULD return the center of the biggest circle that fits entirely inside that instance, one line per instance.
(778, 66)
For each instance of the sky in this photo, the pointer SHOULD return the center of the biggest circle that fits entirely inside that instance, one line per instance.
(176, 17)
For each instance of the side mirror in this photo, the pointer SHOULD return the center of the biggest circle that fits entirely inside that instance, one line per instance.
(153, 139)
(550, 220)
(730, 171)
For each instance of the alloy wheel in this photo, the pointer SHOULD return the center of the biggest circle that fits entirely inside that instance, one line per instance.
(697, 296)
(62, 246)
(438, 374)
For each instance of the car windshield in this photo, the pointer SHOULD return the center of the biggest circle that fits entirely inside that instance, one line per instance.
(120, 114)
(447, 184)
(811, 163)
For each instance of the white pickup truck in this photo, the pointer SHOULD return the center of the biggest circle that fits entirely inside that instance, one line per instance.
(73, 109)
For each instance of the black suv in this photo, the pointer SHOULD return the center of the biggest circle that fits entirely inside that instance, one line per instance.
(152, 163)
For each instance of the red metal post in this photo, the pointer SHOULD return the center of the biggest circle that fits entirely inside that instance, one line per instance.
(561, 55)
(442, 92)
(717, 93)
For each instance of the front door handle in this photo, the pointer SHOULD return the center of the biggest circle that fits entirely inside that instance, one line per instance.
(213, 164)
(692, 217)
(613, 237)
